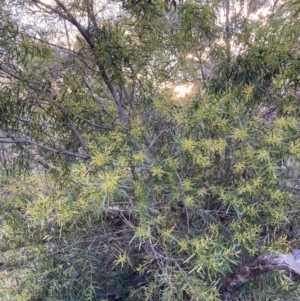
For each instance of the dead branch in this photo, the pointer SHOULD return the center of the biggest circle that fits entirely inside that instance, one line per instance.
(263, 264)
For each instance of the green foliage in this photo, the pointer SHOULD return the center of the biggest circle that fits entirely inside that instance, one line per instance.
(116, 187)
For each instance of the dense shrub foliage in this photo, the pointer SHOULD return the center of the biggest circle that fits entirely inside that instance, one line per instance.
(115, 186)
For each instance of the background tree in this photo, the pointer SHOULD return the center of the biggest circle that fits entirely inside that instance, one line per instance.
(114, 186)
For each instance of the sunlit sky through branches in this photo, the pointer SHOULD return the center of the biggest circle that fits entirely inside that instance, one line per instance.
(64, 34)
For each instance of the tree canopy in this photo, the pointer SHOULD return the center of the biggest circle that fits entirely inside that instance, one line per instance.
(148, 148)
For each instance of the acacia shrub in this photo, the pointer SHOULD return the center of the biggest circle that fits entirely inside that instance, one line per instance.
(164, 223)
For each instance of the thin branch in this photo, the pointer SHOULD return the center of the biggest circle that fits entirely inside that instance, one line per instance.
(155, 138)
(13, 140)
(70, 18)
(5, 70)
(91, 15)
(36, 158)
(97, 126)
(95, 96)
(51, 9)
(73, 20)
(89, 40)
(114, 94)
(66, 16)
(67, 34)
(77, 134)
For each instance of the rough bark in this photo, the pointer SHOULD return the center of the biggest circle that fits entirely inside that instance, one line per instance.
(263, 264)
